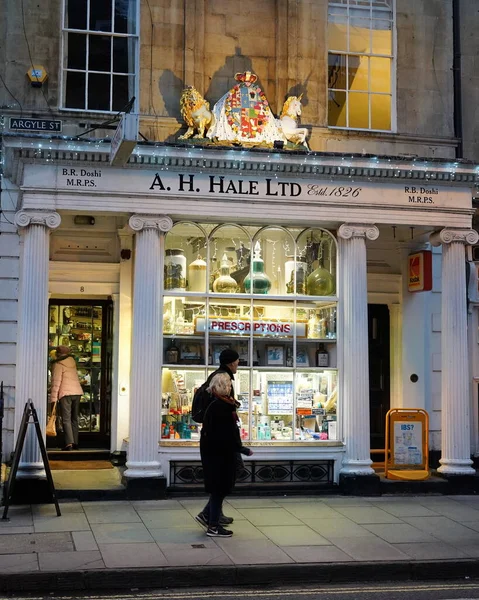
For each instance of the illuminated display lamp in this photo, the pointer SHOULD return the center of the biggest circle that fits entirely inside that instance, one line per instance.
(37, 75)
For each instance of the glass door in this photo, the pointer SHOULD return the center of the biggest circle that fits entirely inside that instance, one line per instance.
(86, 328)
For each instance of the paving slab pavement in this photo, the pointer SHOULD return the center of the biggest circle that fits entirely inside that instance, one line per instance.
(155, 543)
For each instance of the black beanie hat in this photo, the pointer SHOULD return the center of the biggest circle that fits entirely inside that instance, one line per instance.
(228, 356)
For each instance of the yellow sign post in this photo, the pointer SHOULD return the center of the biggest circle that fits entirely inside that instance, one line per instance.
(407, 444)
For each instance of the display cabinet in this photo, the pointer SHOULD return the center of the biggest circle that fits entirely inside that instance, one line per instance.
(270, 294)
(85, 328)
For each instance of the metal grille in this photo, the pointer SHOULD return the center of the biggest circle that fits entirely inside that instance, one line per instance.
(258, 472)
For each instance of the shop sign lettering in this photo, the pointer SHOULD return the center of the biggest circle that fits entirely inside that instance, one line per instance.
(221, 185)
(251, 187)
(86, 178)
(221, 326)
(420, 195)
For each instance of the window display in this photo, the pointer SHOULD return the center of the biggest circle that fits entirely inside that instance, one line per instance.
(269, 294)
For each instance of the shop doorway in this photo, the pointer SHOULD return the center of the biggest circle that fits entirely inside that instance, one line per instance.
(86, 326)
(379, 376)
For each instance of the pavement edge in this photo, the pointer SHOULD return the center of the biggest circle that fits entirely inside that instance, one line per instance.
(240, 575)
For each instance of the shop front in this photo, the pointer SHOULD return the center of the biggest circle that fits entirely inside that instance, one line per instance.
(274, 255)
(270, 293)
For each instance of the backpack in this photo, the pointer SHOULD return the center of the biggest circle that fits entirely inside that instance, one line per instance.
(201, 401)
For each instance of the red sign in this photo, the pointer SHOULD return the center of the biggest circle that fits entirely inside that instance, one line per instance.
(420, 271)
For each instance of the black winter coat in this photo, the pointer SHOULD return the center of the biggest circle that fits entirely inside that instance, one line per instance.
(220, 442)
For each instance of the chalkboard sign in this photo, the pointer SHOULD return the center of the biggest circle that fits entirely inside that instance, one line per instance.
(28, 413)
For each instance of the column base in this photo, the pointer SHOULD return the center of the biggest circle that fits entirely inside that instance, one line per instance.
(33, 470)
(456, 467)
(357, 467)
(145, 488)
(143, 470)
(359, 485)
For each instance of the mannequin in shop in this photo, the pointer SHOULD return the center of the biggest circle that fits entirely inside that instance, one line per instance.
(66, 390)
(219, 445)
(229, 361)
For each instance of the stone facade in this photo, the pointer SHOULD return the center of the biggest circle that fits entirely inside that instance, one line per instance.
(285, 43)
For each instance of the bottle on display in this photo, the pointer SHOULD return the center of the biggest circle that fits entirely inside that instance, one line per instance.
(172, 354)
(175, 269)
(167, 322)
(197, 275)
(230, 252)
(295, 275)
(180, 323)
(225, 284)
(320, 282)
(313, 326)
(257, 282)
(322, 356)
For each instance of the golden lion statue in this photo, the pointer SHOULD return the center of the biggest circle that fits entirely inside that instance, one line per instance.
(196, 113)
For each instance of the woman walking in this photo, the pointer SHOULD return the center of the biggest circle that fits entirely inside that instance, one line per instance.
(67, 390)
(220, 442)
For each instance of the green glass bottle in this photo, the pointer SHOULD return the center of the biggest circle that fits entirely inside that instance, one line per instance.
(320, 282)
(257, 282)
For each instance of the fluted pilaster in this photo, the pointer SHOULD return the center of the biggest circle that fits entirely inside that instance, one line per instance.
(455, 414)
(355, 367)
(145, 402)
(31, 369)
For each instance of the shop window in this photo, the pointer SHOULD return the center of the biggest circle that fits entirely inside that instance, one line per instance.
(361, 64)
(270, 294)
(99, 48)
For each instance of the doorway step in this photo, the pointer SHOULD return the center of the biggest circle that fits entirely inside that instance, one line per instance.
(89, 454)
(89, 484)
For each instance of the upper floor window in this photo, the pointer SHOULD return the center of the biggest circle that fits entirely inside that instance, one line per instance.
(99, 54)
(361, 64)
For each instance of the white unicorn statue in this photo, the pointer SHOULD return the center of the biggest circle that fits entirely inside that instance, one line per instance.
(289, 121)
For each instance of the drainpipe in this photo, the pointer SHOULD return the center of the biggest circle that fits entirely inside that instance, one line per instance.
(457, 76)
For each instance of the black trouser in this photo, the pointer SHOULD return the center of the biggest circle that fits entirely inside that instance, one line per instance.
(213, 510)
(70, 407)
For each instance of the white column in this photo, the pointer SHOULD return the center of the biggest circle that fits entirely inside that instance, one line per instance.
(32, 340)
(355, 364)
(145, 378)
(122, 302)
(455, 413)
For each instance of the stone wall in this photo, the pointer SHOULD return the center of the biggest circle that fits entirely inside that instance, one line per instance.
(284, 42)
(9, 278)
(470, 77)
(43, 30)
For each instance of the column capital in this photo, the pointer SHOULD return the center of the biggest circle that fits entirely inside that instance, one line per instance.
(161, 222)
(24, 218)
(358, 230)
(461, 236)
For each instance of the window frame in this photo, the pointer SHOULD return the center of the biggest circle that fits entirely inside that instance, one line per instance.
(347, 53)
(111, 73)
(295, 301)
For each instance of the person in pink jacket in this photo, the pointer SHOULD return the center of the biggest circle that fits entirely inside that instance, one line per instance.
(67, 390)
